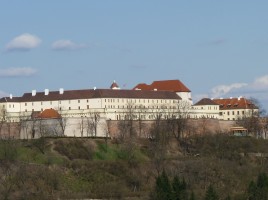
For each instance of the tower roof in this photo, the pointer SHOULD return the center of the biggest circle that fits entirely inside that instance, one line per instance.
(114, 86)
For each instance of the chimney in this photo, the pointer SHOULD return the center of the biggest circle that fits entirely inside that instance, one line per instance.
(231, 97)
(46, 91)
(33, 93)
(94, 88)
(239, 98)
(155, 89)
(10, 96)
(61, 90)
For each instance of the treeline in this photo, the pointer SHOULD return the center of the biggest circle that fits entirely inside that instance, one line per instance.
(176, 189)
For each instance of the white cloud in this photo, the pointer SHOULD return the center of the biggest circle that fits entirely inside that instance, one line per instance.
(67, 45)
(261, 82)
(222, 90)
(17, 72)
(23, 42)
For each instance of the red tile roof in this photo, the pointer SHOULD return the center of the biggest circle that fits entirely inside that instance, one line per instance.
(235, 103)
(49, 114)
(165, 85)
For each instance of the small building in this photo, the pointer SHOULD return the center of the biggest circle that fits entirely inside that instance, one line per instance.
(205, 108)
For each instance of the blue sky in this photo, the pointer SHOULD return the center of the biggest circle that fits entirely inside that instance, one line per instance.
(217, 48)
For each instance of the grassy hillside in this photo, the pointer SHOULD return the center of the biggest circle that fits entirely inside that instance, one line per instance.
(51, 168)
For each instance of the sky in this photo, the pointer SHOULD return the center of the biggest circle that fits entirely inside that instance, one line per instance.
(216, 48)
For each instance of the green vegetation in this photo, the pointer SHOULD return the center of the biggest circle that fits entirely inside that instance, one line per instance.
(195, 168)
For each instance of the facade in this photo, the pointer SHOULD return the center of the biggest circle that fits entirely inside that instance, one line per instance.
(205, 108)
(236, 108)
(113, 103)
(165, 99)
(224, 108)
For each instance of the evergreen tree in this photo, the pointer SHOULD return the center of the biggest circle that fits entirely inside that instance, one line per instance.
(259, 190)
(176, 186)
(179, 189)
(192, 197)
(162, 189)
(228, 197)
(211, 194)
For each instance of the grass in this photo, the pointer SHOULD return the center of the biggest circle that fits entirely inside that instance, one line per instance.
(113, 152)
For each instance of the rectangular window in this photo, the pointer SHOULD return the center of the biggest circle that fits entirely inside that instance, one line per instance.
(69, 108)
(25, 104)
(78, 107)
(237, 112)
(78, 101)
(87, 106)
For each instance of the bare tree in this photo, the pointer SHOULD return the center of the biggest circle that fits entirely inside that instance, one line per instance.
(251, 119)
(93, 121)
(63, 121)
(82, 126)
(2, 118)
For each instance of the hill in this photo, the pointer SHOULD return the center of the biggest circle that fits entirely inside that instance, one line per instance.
(72, 168)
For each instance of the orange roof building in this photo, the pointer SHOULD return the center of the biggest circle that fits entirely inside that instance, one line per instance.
(49, 114)
(165, 85)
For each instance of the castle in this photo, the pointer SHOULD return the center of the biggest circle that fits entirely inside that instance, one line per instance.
(161, 99)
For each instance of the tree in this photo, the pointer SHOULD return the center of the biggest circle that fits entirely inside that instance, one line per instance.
(82, 126)
(259, 190)
(211, 194)
(251, 119)
(179, 189)
(92, 123)
(162, 189)
(63, 121)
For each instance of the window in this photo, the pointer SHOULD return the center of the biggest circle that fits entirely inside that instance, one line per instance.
(59, 102)
(233, 112)
(25, 104)
(237, 112)
(32, 103)
(78, 107)
(78, 101)
(41, 103)
(69, 108)
(87, 100)
(87, 106)
(50, 102)
(228, 113)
